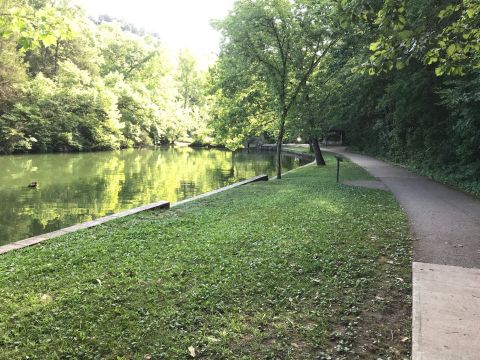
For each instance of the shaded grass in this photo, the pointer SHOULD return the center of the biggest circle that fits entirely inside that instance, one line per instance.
(289, 269)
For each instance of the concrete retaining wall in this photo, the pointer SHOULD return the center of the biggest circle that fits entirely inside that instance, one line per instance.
(86, 225)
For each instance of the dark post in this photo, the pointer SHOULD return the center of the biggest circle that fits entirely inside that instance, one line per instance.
(339, 158)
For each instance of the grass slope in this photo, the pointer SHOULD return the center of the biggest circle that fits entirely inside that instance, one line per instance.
(300, 268)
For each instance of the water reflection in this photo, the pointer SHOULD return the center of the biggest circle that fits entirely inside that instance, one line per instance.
(74, 188)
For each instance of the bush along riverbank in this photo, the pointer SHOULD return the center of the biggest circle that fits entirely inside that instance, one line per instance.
(299, 268)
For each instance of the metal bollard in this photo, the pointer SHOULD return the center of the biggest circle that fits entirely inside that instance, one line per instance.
(339, 158)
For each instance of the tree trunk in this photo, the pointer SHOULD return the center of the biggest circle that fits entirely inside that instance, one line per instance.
(318, 153)
(55, 58)
(281, 131)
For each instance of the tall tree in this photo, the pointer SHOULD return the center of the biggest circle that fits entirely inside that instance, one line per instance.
(190, 86)
(12, 68)
(279, 43)
(58, 25)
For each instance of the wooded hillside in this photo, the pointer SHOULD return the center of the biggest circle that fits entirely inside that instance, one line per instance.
(70, 83)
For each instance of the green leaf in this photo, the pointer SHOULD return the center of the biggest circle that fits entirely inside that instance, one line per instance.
(25, 43)
(400, 65)
(439, 71)
(6, 34)
(451, 49)
(374, 46)
(405, 34)
(48, 40)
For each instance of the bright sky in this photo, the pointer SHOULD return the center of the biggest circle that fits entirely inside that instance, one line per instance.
(180, 23)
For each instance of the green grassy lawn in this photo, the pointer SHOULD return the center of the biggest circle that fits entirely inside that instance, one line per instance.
(298, 268)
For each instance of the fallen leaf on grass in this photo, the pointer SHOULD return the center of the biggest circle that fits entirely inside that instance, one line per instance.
(192, 351)
(45, 298)
(212, 339)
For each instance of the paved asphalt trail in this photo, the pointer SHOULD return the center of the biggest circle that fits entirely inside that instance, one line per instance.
(446, 268)
(446, 222)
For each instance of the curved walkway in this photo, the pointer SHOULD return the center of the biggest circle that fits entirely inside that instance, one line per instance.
(446, 268)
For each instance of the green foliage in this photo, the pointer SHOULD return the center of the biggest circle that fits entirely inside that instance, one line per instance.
(239, 105)
(407, 113)
(457, 48)
(89, 86)
(37, 26)
(443, 33)
(75, 113)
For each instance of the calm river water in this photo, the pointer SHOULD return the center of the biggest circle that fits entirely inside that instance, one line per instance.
(74, 188)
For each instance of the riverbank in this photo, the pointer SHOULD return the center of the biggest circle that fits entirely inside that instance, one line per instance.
(78, 188)
(294, 268)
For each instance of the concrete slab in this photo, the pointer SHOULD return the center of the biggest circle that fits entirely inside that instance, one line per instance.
(446, 312)
(9, 247)
(369, 184)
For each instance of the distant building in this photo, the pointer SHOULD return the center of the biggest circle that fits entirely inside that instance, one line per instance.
(254, 142)
(334, 137)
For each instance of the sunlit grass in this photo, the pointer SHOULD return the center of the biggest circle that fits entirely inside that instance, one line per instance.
(284, 269)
